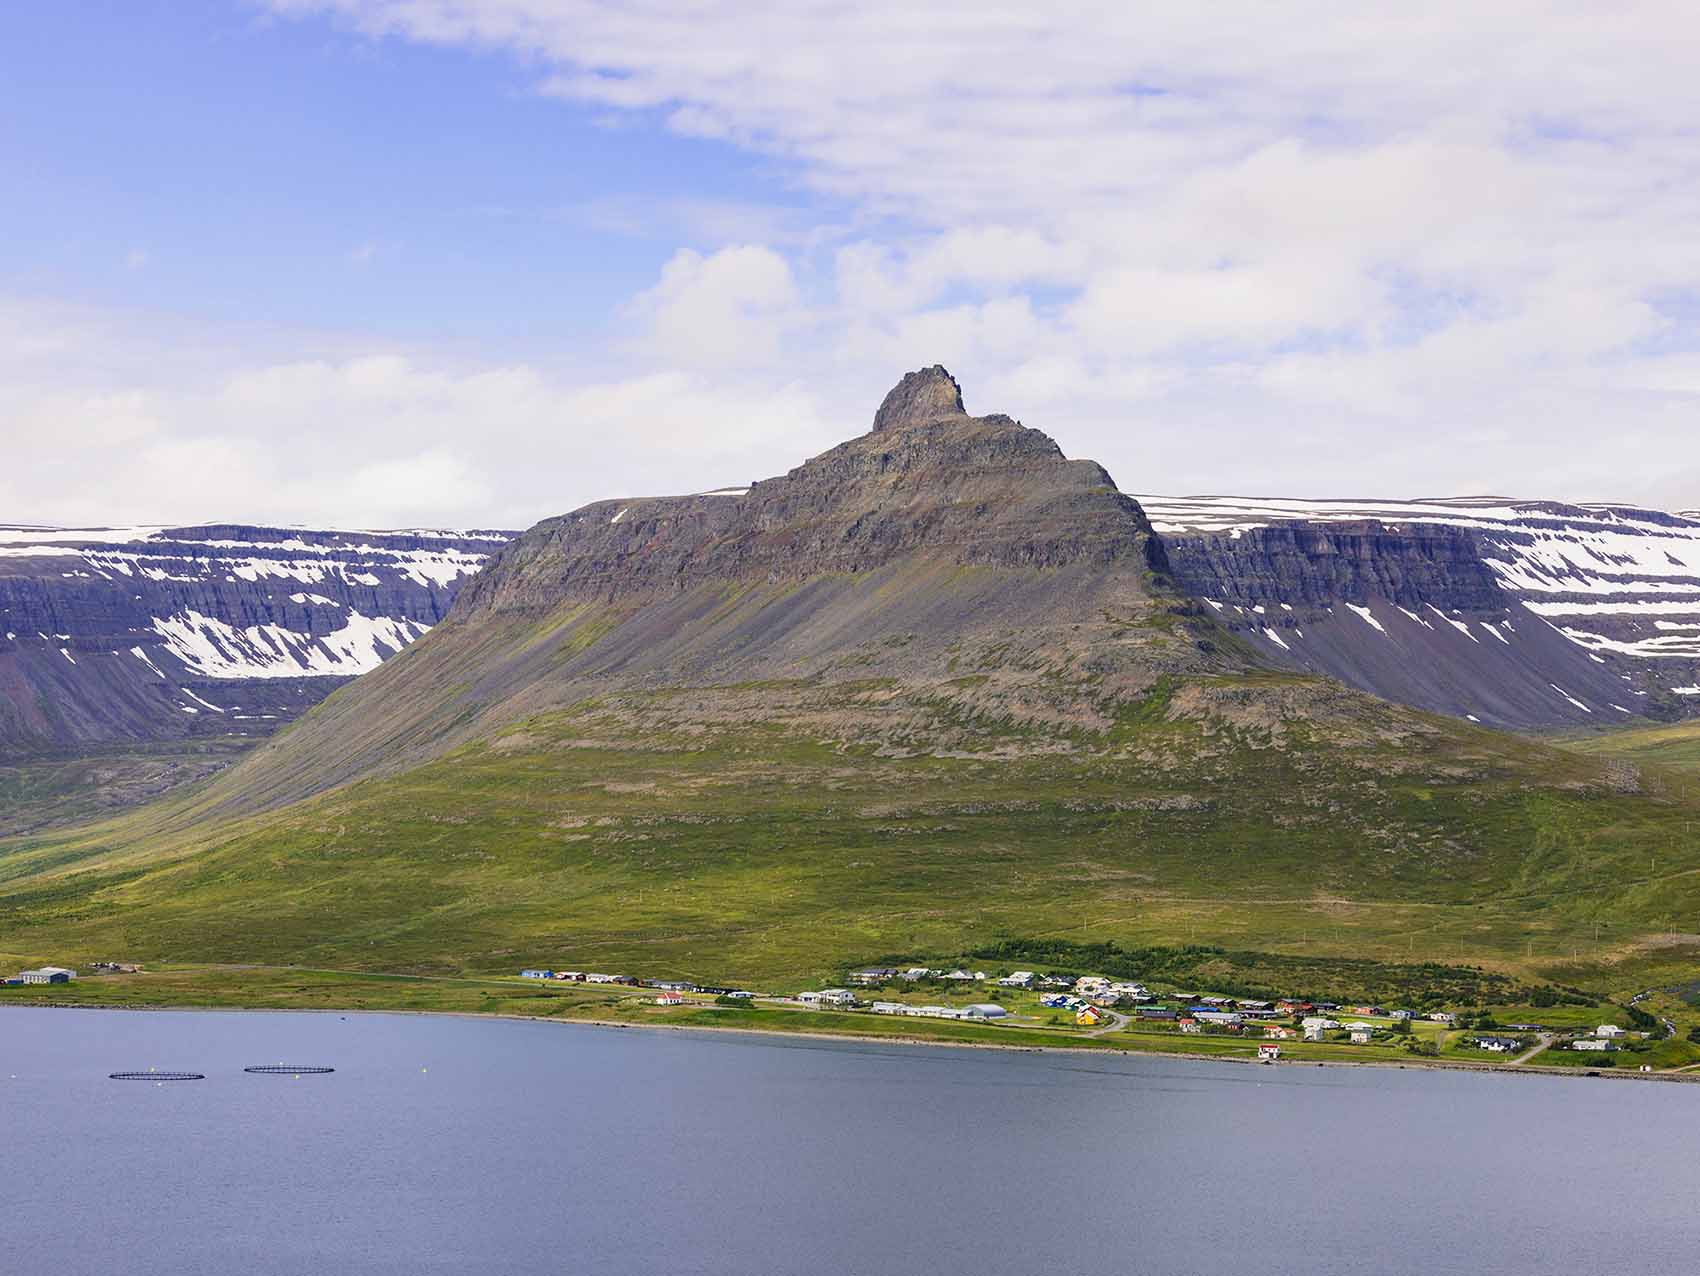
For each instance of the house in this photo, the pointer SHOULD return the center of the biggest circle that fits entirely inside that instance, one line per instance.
(1089, 1017)
(603, 979)
(1055, 981)
(1377, 1011)
(1587, 1044)
(47, 975)
(828, 997)
(117, 967)
(1609, 1032)
(1275, 1032)
(919, 972)
(1268, 1054)
(873, 975)
(1166, 1013)
(888, 1008)
(1362, 1034)
(670, 999)
(1498, 1045)
(1321, 1023)
(536, 974)
(1443, 1016)
(1091, 985)
(1018, 979)
(738, 994)
(1218, 1018)
(1405, 1015)
(963, 976)
(1056, 1001)
(1191, 1025)
(1313, 1029)
(572, 976)
(984, 1010)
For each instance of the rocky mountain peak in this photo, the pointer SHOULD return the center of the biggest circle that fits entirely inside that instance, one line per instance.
(922, 396)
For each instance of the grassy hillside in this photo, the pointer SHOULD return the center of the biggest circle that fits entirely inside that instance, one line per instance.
(1676, 746)
(723, 834)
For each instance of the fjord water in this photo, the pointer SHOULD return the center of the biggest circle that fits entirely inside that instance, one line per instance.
(490, 1146)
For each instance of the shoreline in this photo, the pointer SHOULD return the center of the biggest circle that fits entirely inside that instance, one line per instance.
(814, 1034)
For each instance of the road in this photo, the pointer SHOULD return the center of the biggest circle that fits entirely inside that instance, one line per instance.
(1546, 1040)
(1117, 1022)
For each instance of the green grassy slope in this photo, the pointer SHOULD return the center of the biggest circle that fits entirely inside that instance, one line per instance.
(1677, 745)
(667, 832)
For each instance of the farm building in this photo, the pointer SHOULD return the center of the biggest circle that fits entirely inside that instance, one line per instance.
(47, 975)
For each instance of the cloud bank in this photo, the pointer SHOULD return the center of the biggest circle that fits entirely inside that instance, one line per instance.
(1245, 248)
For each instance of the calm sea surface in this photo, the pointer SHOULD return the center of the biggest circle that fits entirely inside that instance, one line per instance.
(458, 1145)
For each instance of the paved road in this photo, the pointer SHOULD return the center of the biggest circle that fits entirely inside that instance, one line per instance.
(1117, 1022)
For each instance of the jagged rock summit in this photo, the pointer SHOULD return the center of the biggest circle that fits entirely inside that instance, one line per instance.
(928, 480)
(922, 396)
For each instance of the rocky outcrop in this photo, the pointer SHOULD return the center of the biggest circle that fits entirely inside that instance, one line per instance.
(928, 479)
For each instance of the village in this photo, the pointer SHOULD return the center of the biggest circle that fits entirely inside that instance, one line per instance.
(1125, 1012)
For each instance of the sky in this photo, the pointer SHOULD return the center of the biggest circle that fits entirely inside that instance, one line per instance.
(468, 263)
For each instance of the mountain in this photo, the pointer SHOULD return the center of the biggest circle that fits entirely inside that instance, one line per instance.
(937, 685)
(118, 635)
(1512, 613)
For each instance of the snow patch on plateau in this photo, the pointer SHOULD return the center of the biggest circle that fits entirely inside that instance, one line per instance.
(215, 649)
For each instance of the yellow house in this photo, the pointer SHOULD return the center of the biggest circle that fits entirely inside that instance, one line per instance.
(1089, 1017)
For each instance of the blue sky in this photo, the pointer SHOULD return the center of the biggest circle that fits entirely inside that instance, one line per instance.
(211, 159)
(479, 261)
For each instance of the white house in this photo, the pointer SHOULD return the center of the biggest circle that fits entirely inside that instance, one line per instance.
(1498, 1045)
(1586, 1044)
(1019, 979)
(1091, 985)
(1362, 1034)
(828, 997)
(1443, 1016)
(1609, 1032)
(888, 1008)
(1268, 1054)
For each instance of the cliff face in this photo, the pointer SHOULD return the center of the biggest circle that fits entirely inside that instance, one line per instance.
(1317, 565)
(135, 634)
(1514, 613)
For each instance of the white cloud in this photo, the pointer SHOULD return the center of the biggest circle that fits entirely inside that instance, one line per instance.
(729, 307)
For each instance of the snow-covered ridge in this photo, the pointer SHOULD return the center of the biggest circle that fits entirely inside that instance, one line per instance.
(1609, 577)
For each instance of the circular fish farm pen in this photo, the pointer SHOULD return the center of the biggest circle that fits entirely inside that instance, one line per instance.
(151, 1075)
(285, 1070)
